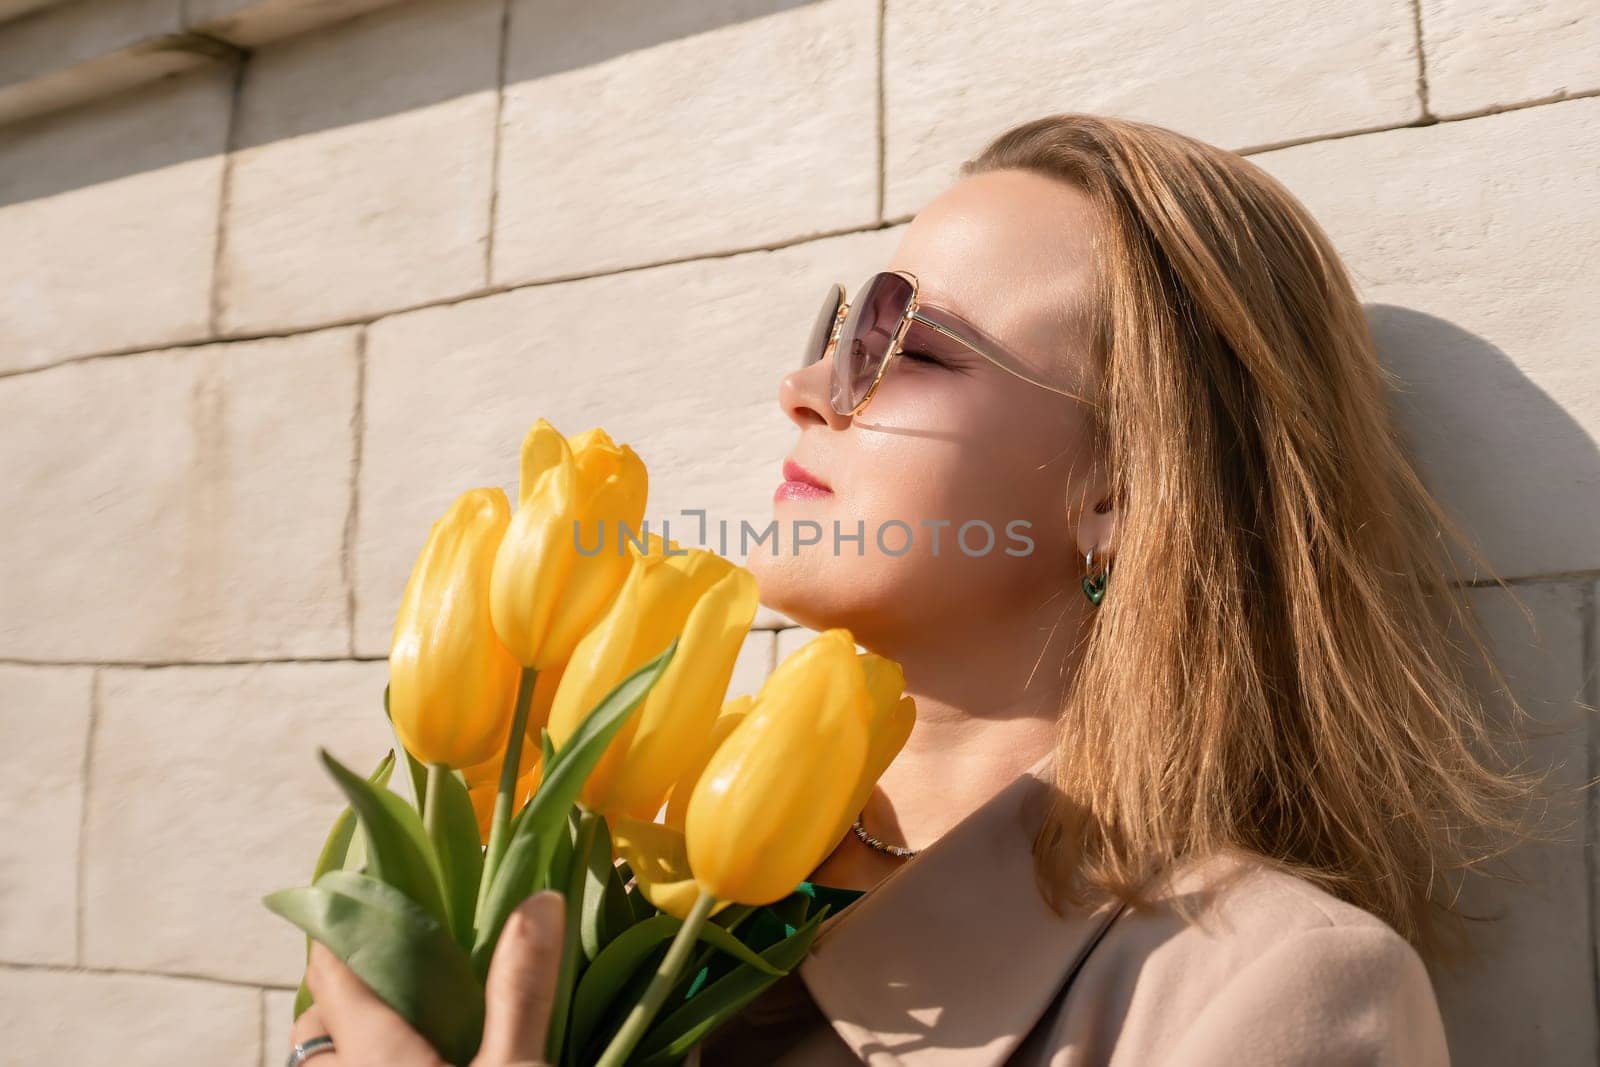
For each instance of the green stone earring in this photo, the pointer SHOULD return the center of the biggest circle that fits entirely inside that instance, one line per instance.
(1095, 588)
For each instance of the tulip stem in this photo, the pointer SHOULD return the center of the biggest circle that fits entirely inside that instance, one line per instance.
(501, 819)
(640, 1017)
(571, 945)
(433, 799)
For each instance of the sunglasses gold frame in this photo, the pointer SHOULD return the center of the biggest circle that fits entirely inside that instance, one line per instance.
(942, 321)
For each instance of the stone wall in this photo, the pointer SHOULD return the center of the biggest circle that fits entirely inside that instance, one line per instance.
(278, 278)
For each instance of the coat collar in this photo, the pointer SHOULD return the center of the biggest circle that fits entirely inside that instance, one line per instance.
(951, 959)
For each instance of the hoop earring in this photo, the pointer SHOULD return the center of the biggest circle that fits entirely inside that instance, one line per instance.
(1095, 588)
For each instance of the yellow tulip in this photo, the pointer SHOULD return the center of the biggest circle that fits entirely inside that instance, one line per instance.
(707, 603)
(545, 592)
(787, 772)
(658, 857)
(733, 713)
(892, 716)
(452, 684)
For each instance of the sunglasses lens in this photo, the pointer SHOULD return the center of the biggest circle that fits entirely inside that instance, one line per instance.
(817, 343)
(865, 337)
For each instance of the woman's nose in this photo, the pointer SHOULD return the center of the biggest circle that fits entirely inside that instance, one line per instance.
(804, 395)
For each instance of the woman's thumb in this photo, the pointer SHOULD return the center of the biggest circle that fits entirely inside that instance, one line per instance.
(521, 985)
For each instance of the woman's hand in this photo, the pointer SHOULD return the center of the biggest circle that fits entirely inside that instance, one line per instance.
(518, 995)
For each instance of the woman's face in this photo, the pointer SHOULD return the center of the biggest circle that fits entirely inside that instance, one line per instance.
(955, 440)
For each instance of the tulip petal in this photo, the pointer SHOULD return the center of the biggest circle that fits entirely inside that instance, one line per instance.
(452, 684)
(891, 726)
(532, 565)
(592, 581)
(601, 658)
(886, 679)
(543, 450)
(612, 484)
(673, 582)
(596, 453)
(681, 709)
(763, 814)
(733, 713)
(659, 859)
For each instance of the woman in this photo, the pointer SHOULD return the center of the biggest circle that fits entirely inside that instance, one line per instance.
(1194, 750)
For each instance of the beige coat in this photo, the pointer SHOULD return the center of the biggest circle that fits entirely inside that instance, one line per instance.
(955, 960)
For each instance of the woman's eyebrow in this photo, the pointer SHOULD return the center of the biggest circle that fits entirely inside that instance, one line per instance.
(953, 320)
(919, 337)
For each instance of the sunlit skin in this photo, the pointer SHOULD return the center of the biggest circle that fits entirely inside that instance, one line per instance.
(987, 641)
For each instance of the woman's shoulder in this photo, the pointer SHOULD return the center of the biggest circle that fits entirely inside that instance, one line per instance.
(1241, 894)
(1267, 960)
(1225, 911)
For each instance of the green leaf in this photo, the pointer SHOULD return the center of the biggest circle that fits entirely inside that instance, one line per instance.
(547, 751)
(708, 955)
(793, 909)
(405, 955)
(341, 847)
(342, 838)
(621, 1004)
(606, 911)
(618, 964)
(460, 851)
(671, 1038)
(528, 854)
(639, 906)
(511, 824)
(560, 866)
(398, 850)
(419, 772)
(356, 858)
(725, 941)
(611, 970)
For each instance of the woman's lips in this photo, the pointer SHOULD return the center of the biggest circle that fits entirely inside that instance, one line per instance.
(800, 484)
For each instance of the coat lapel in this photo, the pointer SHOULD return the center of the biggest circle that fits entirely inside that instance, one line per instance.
(950, 960)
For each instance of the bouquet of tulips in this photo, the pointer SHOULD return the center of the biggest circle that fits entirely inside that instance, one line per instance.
(559, 704)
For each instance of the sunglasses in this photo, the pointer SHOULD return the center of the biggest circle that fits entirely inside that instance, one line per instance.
(866, 334)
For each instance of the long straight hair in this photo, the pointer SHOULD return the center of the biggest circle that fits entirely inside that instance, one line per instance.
(1272, 668)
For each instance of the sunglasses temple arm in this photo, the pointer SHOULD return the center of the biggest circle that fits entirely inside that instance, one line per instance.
(978, 349)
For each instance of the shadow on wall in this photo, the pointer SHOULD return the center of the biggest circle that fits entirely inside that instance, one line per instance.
(419, 68)
(1506, 459)
(1523, 477)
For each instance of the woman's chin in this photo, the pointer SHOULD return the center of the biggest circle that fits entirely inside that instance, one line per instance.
(797, 587)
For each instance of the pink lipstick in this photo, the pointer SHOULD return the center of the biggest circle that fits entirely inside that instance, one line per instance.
(800, 484)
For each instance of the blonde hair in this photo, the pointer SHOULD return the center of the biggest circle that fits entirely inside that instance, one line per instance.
(1272, 667)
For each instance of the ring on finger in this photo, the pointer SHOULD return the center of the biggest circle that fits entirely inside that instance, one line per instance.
(308, 1048)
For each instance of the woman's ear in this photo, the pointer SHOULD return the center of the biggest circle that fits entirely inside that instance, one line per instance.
(1095, 524)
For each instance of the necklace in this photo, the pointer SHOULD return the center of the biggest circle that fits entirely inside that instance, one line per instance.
(893, 850)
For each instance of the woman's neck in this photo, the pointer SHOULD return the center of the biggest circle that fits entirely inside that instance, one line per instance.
(989, 701)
